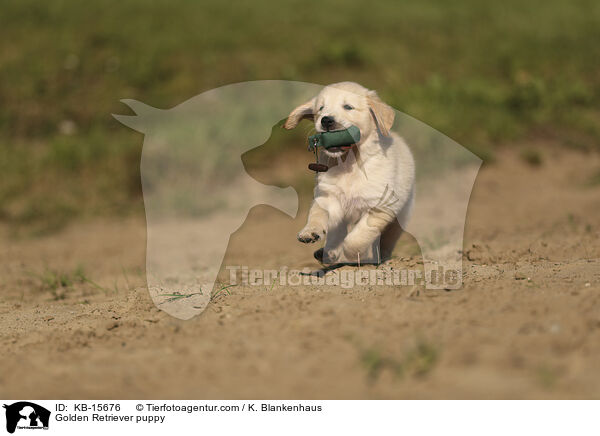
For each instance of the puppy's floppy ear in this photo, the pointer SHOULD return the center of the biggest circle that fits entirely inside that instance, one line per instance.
(301, 112)
(382, 113)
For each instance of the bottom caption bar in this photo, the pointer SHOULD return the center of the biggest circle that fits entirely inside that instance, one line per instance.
(154, 417)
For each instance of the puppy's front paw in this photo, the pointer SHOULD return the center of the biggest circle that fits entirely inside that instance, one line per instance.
(310, 234)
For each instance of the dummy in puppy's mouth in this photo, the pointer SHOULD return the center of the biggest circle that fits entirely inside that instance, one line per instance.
(338, 140)
(335, 143)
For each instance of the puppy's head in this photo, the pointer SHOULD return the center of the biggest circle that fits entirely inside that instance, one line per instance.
(342, 105)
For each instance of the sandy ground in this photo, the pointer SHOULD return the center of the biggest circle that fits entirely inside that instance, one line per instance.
(525, 325)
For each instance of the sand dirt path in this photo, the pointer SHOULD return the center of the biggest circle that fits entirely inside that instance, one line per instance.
(77, 322)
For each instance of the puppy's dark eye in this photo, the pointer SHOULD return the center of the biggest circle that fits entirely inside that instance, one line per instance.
(348, 107)
(321, 108)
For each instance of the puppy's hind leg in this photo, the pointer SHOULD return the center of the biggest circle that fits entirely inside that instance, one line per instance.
(388, 240)
(393, 231)
(363, 242)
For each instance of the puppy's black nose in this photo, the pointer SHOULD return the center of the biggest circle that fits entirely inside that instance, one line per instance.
(327, 122)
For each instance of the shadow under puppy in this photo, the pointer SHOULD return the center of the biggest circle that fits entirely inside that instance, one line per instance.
(362, 202)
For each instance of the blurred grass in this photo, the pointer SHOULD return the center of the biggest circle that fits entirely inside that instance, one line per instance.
(483, 73)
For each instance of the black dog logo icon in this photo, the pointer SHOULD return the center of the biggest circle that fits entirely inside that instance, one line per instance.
(26, 415)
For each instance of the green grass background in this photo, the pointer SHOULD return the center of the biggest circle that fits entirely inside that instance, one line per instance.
(484, 73)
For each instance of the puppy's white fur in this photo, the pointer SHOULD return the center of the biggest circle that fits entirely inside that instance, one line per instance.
(362, 202)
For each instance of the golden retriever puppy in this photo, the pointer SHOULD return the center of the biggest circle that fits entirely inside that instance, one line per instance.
(362, 202)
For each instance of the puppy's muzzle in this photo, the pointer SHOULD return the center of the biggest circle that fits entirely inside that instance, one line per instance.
(327, 122)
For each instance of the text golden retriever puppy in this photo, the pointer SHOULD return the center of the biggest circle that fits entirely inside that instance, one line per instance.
(364, 199)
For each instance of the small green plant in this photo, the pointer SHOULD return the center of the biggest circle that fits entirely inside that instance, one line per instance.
(54, 281)
(546, 376)
(273, 282)
(532, 157)
(421, 360)
(60, 283)
(222, 291)
(594, 180)
(417, 362)
(174, 296)
(373, 362)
